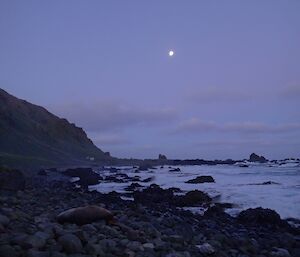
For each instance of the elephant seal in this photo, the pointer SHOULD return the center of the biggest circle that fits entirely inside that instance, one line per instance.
(85, 215)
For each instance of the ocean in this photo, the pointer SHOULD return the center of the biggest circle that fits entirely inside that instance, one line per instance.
(242, 186)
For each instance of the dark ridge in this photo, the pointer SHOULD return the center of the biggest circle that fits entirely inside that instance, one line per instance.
(32, 136)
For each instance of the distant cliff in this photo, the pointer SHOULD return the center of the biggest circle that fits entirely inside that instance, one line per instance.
(30, 135)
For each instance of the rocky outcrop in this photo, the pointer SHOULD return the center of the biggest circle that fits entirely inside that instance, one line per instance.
(261, 216)
(193, 198)
(87, 176)
(153, 194)
(162, 157)
(11, 179)
(175, 170)
(157, 195)
(256, 158)
(201, 179)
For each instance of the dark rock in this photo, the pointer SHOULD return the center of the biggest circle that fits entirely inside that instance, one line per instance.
(115, 179)
(4, 220)
(243, 165)
(42, 172)
(87, 176)
(270, 183)
(7, 251)
(280, 252)
(201, 179)
(2, 229)
(52, 169)
(193, 198)
(35, 253)
(38, 240)
(175, 170)
(265, 183)
(260, 216)
(113, 170)
(162, 157)
(133, 187)
(12, 180)
(70, 243)
(218, 211)
(175, 189)
(206, 249)
(146, 180)
(256, 158)
(153, 194)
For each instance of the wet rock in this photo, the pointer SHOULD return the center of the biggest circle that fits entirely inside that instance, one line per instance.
(175, 189)
(270, 183)
(265, 183)
(175, 170)
(280, 252)
(206, 249)
(12, 180)
(148, 246)
(176, 239)
(193, 198)
(153, 194)
(87, 176)
(70, 243)
(261, 216)
(147, 180)
(133, 187)
(113, 170)
(201, 179)
(115, 179)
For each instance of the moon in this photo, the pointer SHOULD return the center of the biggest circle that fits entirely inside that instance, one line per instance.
(171, 53)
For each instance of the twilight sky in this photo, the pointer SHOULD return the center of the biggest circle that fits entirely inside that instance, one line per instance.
(232, 87)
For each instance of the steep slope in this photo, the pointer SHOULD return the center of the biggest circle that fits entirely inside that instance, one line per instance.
(31, 134)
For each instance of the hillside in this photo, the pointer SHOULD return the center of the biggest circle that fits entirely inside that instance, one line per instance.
(30, 135)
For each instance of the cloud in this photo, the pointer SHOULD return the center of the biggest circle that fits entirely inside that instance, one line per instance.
(219, 95)
(106, 116)
(245, 143)
(108, 139)
(195, 125)
(291, 92)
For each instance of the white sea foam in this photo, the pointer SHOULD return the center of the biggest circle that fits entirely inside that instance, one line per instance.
(234, 184)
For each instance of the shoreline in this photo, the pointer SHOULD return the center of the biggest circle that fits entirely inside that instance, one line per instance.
(155, 226)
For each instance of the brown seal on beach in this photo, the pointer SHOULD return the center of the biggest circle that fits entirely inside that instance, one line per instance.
(85, 215)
